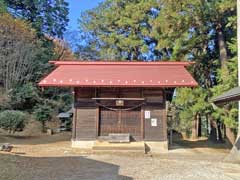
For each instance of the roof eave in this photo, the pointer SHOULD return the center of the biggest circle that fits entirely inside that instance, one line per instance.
(231, 95)
(143, 86)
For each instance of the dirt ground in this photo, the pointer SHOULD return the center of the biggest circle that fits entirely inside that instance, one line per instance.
(51, 158)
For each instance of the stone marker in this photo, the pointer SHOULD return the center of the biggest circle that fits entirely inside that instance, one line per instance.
(6, 147)
(49, 131)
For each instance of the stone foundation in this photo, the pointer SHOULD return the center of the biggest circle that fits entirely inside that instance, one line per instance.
(83, 144)
(150, 146)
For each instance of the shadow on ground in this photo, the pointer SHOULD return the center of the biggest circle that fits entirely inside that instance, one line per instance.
(187, 144)
(35, 140)
(14, 167)
(180, 143)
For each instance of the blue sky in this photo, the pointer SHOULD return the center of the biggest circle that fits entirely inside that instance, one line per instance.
(78, 6)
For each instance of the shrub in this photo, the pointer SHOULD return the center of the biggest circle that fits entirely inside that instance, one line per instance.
(12, 120)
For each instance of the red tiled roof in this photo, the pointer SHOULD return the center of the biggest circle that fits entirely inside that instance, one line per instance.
(119, 74)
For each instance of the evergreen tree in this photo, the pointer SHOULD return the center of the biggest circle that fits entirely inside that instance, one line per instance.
(120, 29)
(46, 16)
(192, 105)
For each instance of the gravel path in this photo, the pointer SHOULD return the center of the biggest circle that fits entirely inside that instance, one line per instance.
(55, 160)
(107, 167)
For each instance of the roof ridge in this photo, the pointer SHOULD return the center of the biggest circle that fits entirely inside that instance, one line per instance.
(180, 63)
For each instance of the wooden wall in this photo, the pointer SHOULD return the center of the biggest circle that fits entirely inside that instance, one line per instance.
(87, 112)
(155, 104)
(159, 132)
(86, 124)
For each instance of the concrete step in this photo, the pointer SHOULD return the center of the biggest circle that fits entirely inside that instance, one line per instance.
(104, 146)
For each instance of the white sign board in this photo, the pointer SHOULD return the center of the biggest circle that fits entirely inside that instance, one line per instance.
(147, 114)
(154, 122)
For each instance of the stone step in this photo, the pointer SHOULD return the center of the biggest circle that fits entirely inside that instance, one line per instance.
(103, 146)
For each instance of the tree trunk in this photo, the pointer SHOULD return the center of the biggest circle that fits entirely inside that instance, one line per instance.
(195, 128)
(222, 45)
(199, 126)
(43, 126)
(216, 133)
(230, 135)
(208, 124)
(213, 132)
(219, 132)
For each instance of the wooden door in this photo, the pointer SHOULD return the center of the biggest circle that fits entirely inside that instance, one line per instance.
(120, 121)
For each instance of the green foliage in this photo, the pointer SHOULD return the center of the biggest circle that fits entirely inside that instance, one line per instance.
(50, 17)
(190, 102)
(123, 35)
(193, 98)
(27, 33)
(185, 118)
(227, 114)
(227, 79)
(43, 113)
(24, 97)
(3, 7)
(155, 29)
(179, 120)
(12, 120)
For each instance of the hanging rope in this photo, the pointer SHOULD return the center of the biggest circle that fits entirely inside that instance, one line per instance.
(114, 109)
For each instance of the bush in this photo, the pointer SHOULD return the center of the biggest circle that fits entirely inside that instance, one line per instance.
(12, 120)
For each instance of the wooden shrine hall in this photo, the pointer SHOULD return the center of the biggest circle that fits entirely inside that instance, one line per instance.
(120, 101)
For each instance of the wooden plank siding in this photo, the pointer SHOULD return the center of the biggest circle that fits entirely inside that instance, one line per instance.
(92, 120)
(157, 133)
(155, 103)
(86, 128)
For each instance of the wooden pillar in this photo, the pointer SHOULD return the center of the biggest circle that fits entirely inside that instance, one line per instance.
(119, 121)
(97, 120)
(165, 114)
(142, 118)
(142, 122)
(97, 114)
(74, 124)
